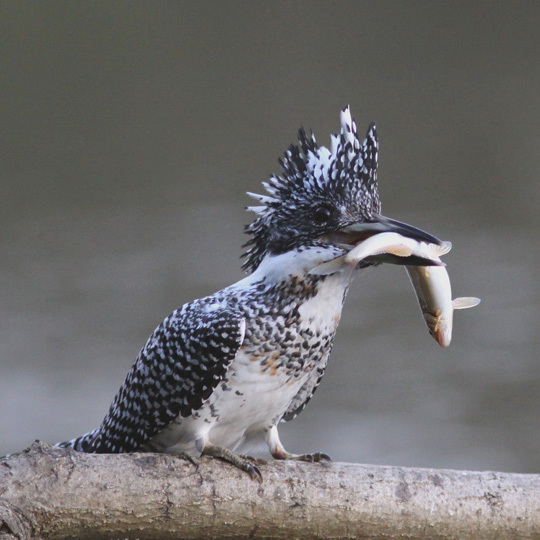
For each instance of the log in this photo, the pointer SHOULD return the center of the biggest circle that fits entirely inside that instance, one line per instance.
(51, 493)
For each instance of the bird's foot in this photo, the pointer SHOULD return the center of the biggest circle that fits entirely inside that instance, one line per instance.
(241, 462)
(316, 457)
(187, 457)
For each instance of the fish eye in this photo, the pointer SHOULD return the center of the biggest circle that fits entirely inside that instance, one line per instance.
(322, 214)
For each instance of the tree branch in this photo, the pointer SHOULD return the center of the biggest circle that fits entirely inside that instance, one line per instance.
(49, 493)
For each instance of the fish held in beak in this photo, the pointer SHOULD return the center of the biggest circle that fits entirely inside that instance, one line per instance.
(430, 282)
(386, 247)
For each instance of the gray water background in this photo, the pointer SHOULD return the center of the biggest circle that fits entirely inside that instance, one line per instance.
(130, 132)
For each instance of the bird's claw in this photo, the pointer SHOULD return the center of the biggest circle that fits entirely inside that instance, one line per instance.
(241, 462)
(321, 456)
(250, 467)
(316, 457)
(187, 457)
(254, 472)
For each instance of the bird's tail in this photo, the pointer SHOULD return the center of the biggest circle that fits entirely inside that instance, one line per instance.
(84, 443)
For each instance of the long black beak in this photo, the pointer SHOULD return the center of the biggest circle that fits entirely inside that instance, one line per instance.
(378, 224)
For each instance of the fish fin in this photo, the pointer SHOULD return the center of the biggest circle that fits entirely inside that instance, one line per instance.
(329, 267)
(399, 250)
(443, 249)
(465, 302)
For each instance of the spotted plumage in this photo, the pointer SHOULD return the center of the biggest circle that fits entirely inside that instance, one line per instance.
(221, 372)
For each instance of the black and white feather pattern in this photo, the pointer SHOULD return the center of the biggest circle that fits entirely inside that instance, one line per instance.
(298, 404)
(229, 366)
(344, 175)
(175, 373)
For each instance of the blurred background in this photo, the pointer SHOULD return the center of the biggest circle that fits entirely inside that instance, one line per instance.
(130, 133)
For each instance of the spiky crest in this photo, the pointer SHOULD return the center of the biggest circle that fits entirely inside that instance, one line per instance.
(345, 174)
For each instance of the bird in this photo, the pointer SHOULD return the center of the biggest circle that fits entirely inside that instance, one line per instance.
(221, 372)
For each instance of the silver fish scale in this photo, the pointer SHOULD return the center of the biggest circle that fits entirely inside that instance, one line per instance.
(190, 353)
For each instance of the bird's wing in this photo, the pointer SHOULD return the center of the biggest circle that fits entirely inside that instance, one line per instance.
(299, 402)
(177, 370)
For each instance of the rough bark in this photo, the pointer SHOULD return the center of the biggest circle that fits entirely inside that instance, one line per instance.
(49, 492)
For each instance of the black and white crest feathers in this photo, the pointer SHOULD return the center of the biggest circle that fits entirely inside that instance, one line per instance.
(342, 177)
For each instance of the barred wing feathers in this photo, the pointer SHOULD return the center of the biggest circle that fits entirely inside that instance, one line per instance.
(182, 363)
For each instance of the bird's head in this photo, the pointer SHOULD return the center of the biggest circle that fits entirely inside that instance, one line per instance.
(324, 197)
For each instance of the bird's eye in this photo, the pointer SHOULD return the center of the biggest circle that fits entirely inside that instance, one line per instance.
(322, 214)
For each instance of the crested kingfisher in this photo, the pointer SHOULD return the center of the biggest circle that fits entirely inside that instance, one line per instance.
(220, 373)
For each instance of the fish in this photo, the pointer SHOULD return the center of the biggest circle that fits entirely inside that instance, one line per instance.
(431, 283)
(434, 294)
(396, 244)
(380, 244)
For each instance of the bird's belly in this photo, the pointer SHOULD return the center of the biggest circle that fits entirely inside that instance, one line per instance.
(253, 397)
(269, 370)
